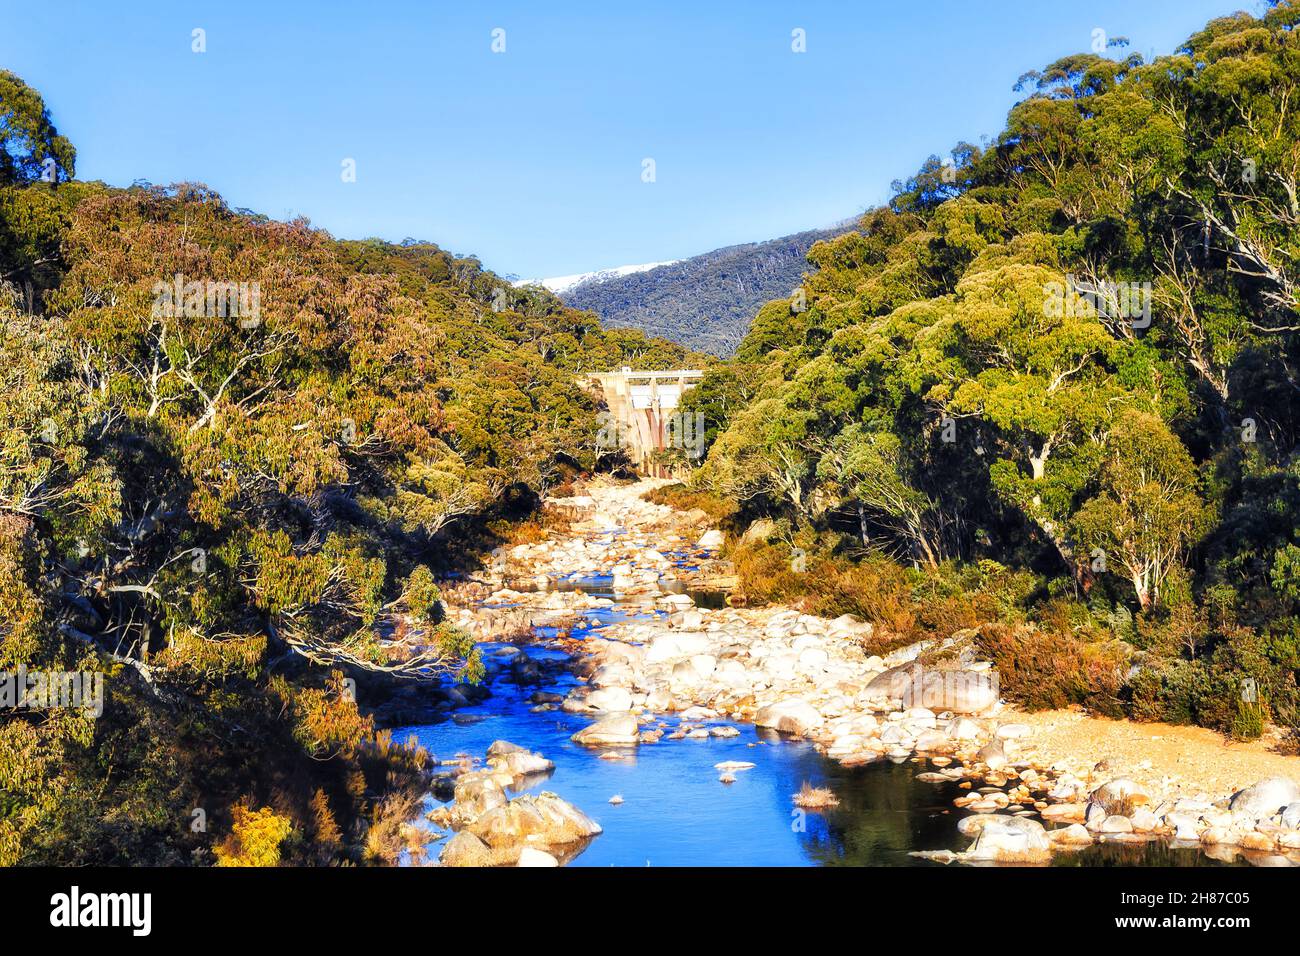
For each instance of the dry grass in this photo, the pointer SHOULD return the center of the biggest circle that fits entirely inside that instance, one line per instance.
(685, 498)
(1047, 670)
(815, 798)
(392, 829)
(540, 526)
(875, 590)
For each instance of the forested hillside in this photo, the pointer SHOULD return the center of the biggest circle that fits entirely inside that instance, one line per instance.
(1045, 402)
(233, 451)
(705, 302)
(1050, 392)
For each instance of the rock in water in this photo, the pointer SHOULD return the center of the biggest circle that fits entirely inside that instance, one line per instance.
(512, 824)
(515, 760)
(1265, 798)
(727, 766)
(615, 729)
(972, 825)
(1144, 821)
(992, 755)
(530, 856)
(960, 728)
(1073, 835)
(1116, 824)
(477, 793)
(544, 820)
(792, 716)
(1185, 825)
(933, 741)
(465, 849)
(1011, 840)
(611, 699)
(568, 823)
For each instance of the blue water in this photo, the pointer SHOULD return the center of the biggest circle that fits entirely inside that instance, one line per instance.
(675, 812)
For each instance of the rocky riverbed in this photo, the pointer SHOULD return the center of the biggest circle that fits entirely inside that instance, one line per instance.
(667, 669)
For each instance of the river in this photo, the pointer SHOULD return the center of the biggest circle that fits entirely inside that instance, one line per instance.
(676, 812)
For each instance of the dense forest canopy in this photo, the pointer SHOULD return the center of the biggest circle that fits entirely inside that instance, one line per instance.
(1071, 351)
(234, 447)
(1048, 393)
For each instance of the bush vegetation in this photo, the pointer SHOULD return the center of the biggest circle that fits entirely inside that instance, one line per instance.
(231, 502)
(1069, 352)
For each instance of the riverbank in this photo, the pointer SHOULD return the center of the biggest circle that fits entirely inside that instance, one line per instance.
(1159, 757)
(1032, 784)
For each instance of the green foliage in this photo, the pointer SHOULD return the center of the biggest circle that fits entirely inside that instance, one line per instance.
(233, 449)
(255, 838)
(1147, 511)
(975, 377)
(226, 513)
(28, 137)
(1167, 690)
(34, 160)
(422, 595)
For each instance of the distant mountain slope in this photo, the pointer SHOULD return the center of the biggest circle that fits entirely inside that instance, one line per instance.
(561, 284)
(705, 302)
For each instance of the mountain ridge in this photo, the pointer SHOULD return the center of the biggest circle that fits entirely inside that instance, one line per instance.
(561, 284)
(705, 302)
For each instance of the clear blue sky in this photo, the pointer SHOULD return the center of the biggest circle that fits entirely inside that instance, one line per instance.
(532, 159)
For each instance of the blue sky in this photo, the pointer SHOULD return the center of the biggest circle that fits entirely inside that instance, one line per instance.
(532, 158)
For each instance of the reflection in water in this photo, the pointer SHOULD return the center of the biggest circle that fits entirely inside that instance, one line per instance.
(675, 812)
(883, 814)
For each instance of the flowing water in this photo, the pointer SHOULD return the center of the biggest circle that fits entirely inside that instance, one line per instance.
(675, 812)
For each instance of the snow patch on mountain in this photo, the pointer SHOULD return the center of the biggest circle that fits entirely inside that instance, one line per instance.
(562, 284)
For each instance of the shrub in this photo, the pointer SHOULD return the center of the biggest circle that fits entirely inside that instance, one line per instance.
(255, 838)
(1167, 691)
(326, 835)
(1249, 722)
(876, 589)
(390, 832)
(950, 613)
(904, 605)
(1051, 669)
(325, 721)
(538, 526)
(685, 498)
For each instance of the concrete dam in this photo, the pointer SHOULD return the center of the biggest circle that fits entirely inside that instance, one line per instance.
(643, 417)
